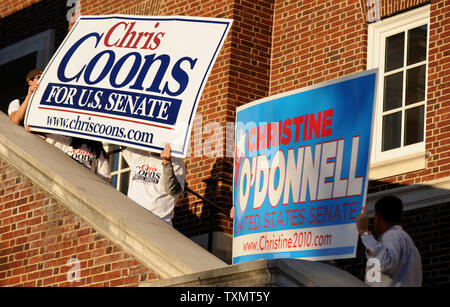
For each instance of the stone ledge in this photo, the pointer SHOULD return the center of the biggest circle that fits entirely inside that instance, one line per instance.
(398, 166)
(415, 196)
(266, 273)
(140, 233)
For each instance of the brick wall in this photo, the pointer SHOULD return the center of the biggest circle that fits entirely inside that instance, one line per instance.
(316, 41)
(7, 7)
(38, 236)
(192, 216)
(388, 8)
(133, 7)
(430, 229)
(19, 20)
(240, 75)
(437, 139)
(438, 101)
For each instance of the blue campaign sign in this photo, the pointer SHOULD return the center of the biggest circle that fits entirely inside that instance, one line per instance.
(301, 171)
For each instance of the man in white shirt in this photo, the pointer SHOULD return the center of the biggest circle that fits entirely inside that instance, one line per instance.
(395, 252)
(156, 181)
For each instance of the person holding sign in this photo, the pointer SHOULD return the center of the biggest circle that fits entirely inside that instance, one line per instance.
(395, 251)
(18, 107)
(86, 152)
(156, 181)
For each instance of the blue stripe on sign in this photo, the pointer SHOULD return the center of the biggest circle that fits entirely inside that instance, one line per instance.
(298, 254)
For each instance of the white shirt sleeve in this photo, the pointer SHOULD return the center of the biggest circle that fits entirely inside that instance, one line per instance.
(179, 169)
(103, 169)
(387, 251)
(13, 106)
(59, 141)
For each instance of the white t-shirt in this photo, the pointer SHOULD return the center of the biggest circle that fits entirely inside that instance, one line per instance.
(13, 106)
(82, 155)
(146, 185)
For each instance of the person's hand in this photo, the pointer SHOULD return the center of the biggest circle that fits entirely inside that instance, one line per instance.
(33, 88)
(166, 154)
(232, 212)
(27, 128)
(362, 221)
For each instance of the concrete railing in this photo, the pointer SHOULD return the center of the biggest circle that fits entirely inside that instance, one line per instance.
(140, 233)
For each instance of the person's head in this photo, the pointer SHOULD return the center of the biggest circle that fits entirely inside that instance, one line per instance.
(95, 147)
(33, 76)
(388, 212)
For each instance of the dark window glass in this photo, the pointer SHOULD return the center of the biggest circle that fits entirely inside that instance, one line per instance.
(391, 131)
(114, 181)
(393, 86)
(124, 180)
(414, 118)
(124, 163)
(417, 45)
(415, 84)
(395, 46)
(114, 159)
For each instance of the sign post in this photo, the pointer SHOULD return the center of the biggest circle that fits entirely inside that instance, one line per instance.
(128, 80)
(301, 171)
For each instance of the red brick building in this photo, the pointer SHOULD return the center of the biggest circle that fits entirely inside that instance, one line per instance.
(273, 47)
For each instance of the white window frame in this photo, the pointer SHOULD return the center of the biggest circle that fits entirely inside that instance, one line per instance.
(406, 158)
(121, 171)
(42, 43)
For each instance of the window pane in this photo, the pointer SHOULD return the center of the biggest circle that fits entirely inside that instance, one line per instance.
(124, 179)
(114, 162)
(393, 91)
(113, 158)
(415, 85)
(414, 125)
(114, 181)
(417, 45)
(124, 163)
(391, 131)
(395, 49)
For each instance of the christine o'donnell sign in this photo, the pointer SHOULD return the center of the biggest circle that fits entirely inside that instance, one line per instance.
(128, 80)
(301, 171)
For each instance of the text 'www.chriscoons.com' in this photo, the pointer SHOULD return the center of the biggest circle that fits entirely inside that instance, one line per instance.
(100, 129)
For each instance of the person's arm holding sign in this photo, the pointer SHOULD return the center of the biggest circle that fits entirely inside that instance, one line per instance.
(16, 111)
(171, 183)
(387, 250)
(362, 224)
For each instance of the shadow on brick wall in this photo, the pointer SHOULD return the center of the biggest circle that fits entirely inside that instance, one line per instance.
(195, 217)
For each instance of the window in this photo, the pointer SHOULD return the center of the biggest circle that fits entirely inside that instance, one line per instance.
(17, 60)
(398, 46)
(120, 171)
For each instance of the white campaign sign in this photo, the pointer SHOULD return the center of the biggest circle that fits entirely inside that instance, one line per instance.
(128, 80)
